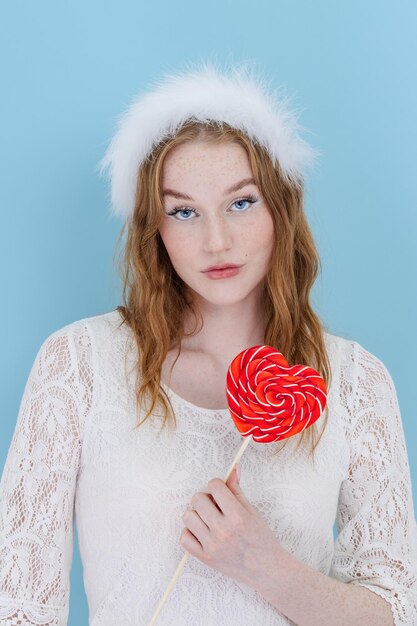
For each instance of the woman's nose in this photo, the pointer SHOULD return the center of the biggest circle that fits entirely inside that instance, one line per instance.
(217, 234)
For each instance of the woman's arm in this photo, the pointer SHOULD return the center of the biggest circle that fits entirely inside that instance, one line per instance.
(37, 490)
(310, 598)
(247, 550)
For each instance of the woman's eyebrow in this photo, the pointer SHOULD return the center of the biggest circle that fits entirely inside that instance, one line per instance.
(183, 196)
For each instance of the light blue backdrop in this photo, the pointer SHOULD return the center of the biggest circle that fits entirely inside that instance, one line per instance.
(68, 69)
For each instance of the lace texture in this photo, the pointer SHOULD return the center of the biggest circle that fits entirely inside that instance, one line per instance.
(75, 455)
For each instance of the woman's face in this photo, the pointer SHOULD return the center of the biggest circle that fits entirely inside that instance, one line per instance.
(220, 218)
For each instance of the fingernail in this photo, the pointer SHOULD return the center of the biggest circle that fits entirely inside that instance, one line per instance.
(238, 471)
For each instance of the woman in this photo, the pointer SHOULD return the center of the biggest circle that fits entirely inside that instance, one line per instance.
(125, 414)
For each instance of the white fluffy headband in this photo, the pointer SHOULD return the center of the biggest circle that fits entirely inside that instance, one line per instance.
(237, 97)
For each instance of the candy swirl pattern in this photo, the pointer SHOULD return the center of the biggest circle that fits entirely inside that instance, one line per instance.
(268, 399)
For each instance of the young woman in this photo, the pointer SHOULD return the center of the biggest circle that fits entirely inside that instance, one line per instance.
(124, 422)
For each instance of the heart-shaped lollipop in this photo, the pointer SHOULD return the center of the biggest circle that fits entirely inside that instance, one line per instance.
(269, 399)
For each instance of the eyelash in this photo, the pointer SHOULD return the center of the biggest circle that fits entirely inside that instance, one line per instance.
(249, 198)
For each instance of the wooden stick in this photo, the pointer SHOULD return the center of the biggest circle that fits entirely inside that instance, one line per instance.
(238, 456)
(184, 559)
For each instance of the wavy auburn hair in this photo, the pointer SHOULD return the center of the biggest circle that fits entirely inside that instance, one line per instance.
(154, 295)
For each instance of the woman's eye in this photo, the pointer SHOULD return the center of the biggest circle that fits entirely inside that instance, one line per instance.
(181, 211)
(249, 200)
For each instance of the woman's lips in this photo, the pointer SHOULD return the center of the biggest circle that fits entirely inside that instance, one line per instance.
(228, 272)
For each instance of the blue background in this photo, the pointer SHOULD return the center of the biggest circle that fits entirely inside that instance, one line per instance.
(68, 69)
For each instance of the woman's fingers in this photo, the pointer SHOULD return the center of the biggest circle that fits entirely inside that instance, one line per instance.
(196, 525)
(206, 508)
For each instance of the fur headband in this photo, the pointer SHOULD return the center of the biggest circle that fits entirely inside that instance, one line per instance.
(238, 98)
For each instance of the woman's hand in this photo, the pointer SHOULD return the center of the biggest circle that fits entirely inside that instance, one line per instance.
(227, 533)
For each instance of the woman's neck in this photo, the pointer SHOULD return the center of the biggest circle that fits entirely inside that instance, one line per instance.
(227, 330)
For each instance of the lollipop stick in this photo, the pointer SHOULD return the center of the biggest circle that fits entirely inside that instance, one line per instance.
(169, 588)
(186, 555)
(238, 456)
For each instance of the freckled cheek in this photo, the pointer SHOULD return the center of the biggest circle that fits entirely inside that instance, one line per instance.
(257, 242)
(258, 231)
(178, 245)
(266, 239)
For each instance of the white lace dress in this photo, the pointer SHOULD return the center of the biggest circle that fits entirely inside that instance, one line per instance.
(75, 453)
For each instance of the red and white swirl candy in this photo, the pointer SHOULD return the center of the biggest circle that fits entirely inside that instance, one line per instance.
(270, 400)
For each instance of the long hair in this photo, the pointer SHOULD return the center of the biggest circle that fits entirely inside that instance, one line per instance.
(154, 296)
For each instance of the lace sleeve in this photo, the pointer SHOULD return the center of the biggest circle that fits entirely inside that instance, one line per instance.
(37, 491)
(377, 542)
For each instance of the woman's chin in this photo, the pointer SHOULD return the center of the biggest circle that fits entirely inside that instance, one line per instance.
(223, 298)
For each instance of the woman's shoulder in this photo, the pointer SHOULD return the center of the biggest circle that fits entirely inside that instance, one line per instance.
(79, 339)
(356, 364)
(348, 350)
(101, 325)
(102, 321)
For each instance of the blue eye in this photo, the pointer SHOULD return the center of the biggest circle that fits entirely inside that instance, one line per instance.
(251, 199)
(177, 211)
(245, 200)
